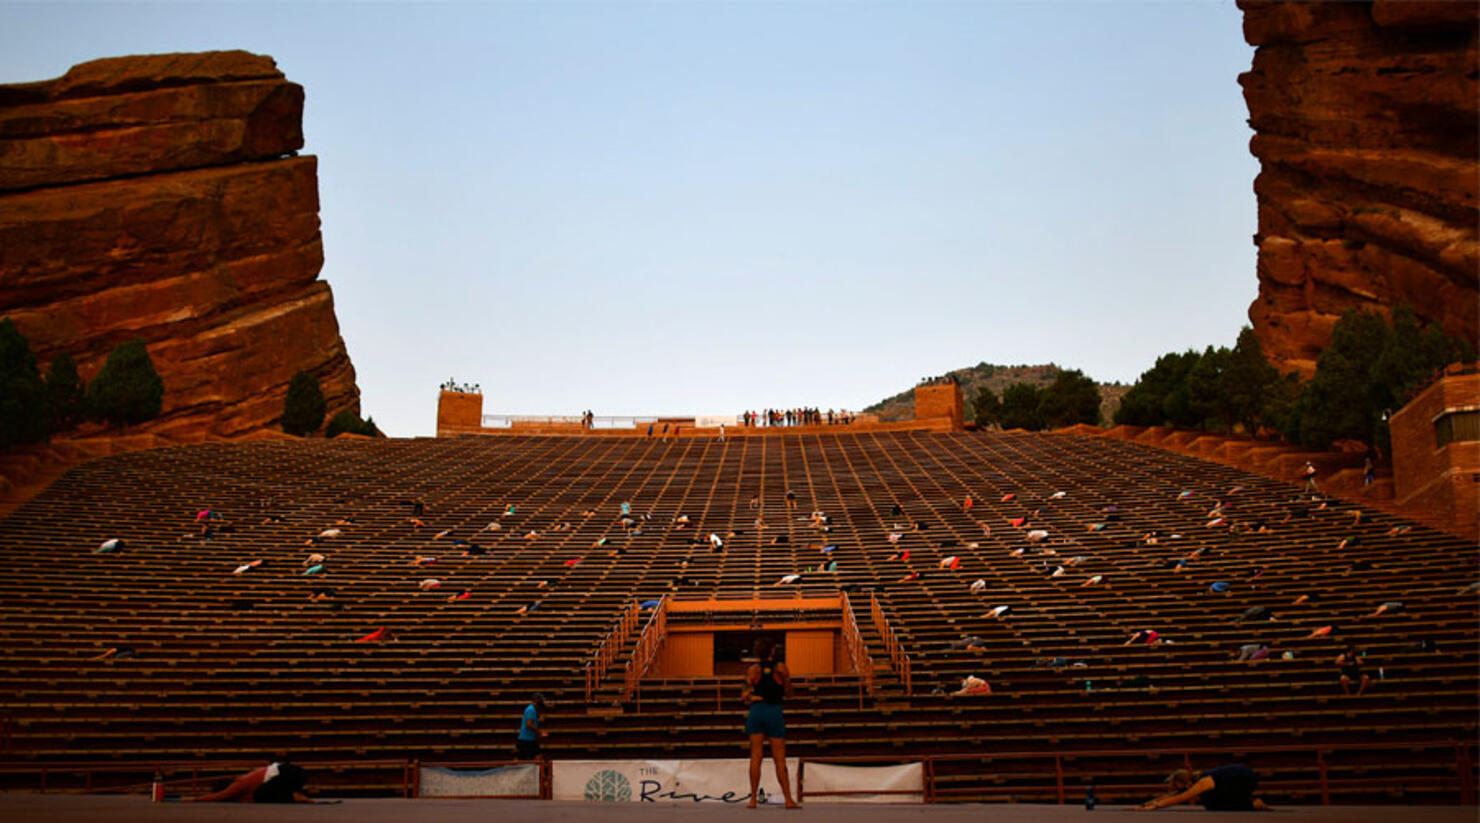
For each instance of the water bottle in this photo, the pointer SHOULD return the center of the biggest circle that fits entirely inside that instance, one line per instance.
(1088, 687)
(156, 791)
(1089, 798)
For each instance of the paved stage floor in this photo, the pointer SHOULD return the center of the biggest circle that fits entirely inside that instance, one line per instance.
(51, 808)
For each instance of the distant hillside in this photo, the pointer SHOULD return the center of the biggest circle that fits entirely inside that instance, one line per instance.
(902, 406)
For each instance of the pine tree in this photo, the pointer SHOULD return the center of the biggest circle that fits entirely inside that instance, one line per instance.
(304, 407)
(65, 393)
(128, 389)
(22, 394)
(987, 407)
(1021, 407)
(1071, 398)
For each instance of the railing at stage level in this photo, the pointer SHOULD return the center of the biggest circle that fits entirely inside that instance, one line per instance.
(1462, 780)
(1068, 768)
(507, 421)
(173, 774)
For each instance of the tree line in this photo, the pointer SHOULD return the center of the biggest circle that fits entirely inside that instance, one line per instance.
(1071, 398)
(32, 407)
(1368, 371)
(127, 390)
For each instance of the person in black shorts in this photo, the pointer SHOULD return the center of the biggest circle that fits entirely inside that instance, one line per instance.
(527, 746)
(1350, 662)
(1227, 788)
(767, 683)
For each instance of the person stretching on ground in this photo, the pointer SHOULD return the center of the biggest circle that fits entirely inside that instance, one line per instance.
(117, 653)
(1224, 789)
(972, 684)
(767, 684)
(1389, 606)
(280, 782)
(1251, 652)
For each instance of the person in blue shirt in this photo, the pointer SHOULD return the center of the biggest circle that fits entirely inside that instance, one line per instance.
(528, 744)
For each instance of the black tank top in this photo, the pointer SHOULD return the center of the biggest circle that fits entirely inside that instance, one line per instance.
(769, 688)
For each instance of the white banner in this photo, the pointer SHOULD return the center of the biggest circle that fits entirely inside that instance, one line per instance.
(714, 421)
(520, 779)
(832, 777)
(665, 781)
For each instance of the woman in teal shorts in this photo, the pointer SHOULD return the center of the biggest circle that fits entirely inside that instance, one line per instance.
(766, 684)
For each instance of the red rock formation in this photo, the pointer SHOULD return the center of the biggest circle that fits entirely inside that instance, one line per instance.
(1367, 127)
(157, 197)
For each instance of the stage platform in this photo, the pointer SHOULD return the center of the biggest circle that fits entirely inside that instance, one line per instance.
(36, 808)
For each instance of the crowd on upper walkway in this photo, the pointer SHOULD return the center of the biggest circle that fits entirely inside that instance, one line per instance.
(804, 416)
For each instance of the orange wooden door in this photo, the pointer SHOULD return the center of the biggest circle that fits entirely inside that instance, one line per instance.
(686, 654)
(810, 651)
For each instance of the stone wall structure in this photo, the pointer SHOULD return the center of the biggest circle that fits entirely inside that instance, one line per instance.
(940, 402)
(162, 197)
(1440, 480)
(1367, 129)
(459, 413)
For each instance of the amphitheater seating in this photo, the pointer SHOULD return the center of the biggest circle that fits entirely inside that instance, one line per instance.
(230, 666)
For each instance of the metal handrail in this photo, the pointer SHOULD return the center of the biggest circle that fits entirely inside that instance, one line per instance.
(1322, 783)
(611, 646)
(504, 421)
(88, 768)
(857, 652)
(897, 657)
(1464, 780)
(647, 647)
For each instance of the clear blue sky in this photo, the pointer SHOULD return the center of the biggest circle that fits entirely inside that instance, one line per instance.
(696, 207)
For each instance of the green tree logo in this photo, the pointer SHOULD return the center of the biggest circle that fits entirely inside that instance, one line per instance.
(608, 787)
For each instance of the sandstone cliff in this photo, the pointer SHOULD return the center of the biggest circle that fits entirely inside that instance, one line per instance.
(160, 197)
(1366, 122)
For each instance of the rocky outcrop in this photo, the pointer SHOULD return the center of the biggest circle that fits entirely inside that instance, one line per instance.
(1367, 128)
(160, 197)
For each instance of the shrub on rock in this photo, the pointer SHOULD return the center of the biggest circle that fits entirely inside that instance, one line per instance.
(65, 394)
(128, 389)
(22, 394)
(347, 422)
(304, 407)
